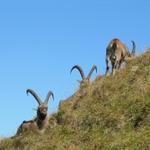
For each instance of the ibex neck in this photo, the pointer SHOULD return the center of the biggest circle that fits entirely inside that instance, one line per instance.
(41, 121)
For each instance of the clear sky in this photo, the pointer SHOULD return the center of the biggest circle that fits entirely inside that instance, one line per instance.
(41, 40)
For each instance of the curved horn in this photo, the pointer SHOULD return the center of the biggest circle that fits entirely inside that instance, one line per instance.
(35, 95)
(90, 73)
(50, 93)
(79, 69)
(133, 49)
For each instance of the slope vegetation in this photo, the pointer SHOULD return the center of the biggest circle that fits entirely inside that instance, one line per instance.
(112, 113)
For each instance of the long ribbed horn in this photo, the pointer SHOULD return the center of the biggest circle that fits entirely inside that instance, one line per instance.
(133, 49)
(79, 69)
(50, 93)
(90, 73)
(35, 95)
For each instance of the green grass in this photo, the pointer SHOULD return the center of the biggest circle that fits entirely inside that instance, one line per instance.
(112, 113)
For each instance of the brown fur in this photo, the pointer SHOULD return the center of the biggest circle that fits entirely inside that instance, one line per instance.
(116, 53)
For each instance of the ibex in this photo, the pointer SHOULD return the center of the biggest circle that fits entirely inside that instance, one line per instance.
(84, 79)
(117, 53)
(39, 123)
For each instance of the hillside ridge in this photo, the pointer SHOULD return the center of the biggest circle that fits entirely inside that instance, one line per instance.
(110, 113)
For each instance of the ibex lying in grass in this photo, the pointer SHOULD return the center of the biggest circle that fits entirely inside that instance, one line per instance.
(84, 79)
(40, 121)
(117, 53)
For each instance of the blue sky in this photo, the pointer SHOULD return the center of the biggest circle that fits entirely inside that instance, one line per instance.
(41, 40)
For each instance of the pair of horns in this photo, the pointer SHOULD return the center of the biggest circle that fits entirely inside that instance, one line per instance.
(82, 73)
(38, 98)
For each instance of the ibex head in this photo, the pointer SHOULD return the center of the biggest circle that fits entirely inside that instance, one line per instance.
(84, 79)
(41, 120)
(43, 106)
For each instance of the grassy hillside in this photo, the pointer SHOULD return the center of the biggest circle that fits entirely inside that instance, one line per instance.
(112, 113)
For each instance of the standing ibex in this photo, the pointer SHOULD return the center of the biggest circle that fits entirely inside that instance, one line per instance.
(116, 53)
(84, 79)
(40, 121)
